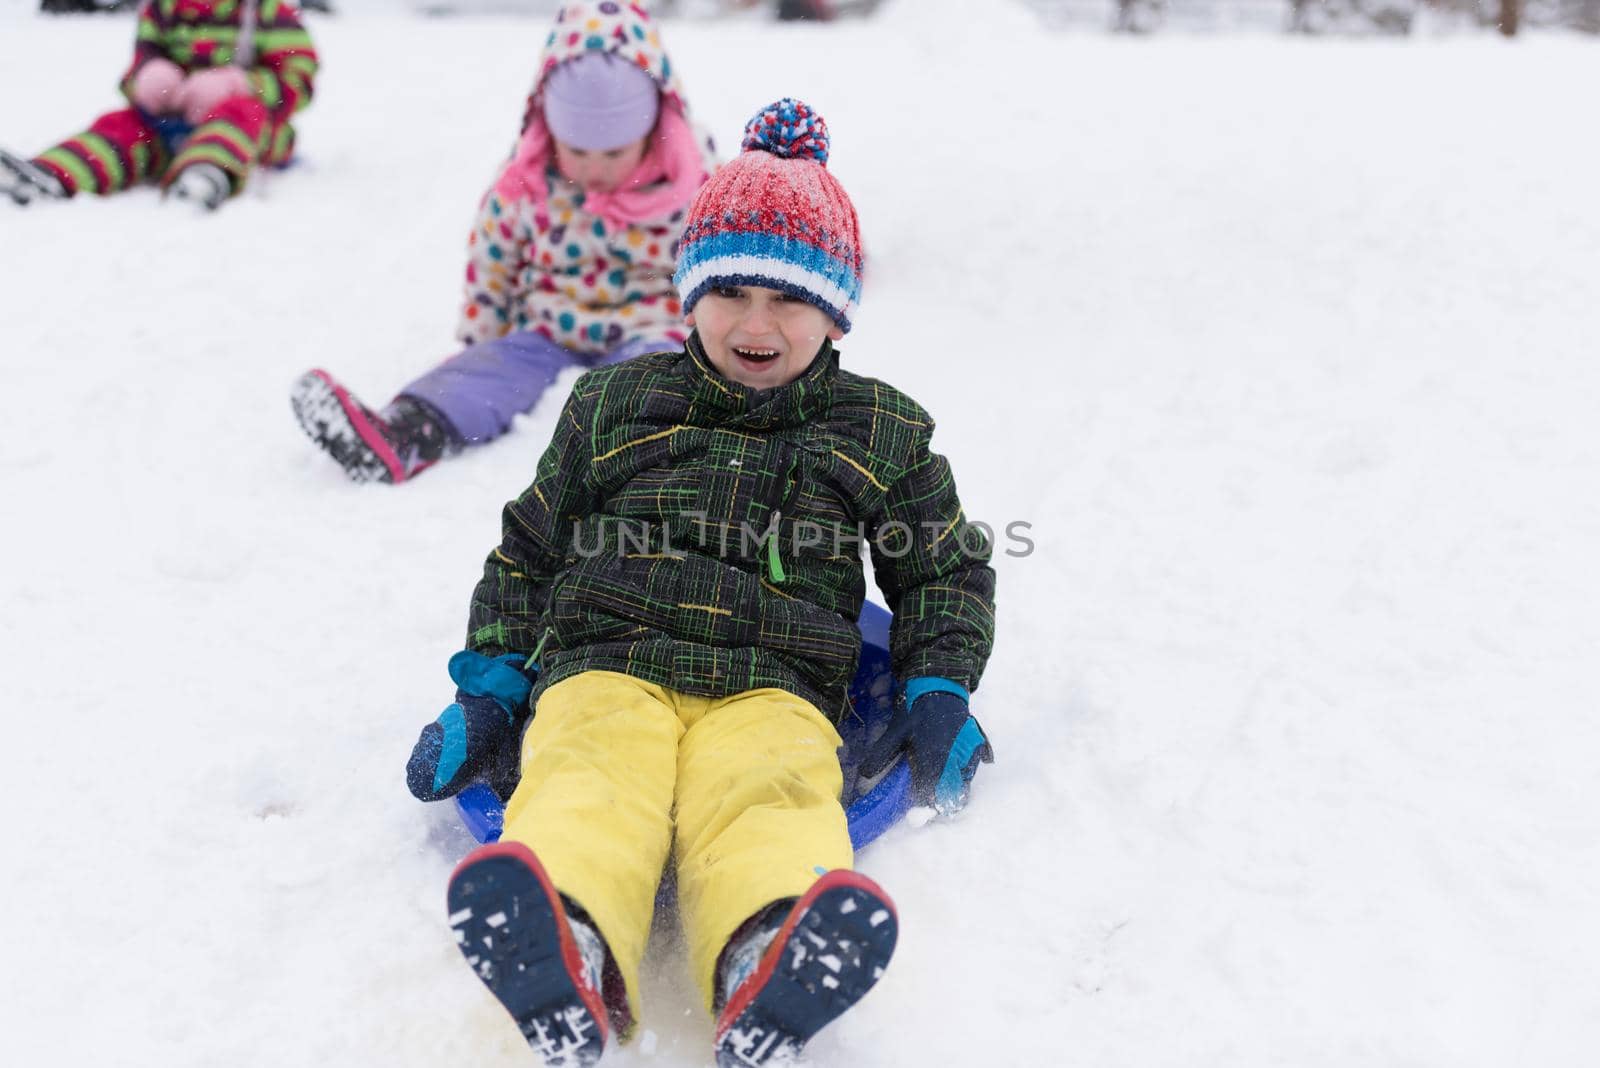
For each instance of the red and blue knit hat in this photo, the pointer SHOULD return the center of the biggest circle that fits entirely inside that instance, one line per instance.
(774, 217)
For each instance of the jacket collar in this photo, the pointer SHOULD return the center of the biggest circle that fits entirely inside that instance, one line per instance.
(732, 403)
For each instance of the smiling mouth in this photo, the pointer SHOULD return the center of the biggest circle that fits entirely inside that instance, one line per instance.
(758, 357)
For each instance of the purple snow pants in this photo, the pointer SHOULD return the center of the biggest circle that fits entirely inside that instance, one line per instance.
(482, 387)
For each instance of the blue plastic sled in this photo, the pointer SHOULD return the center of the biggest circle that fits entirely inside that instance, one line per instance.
(872, 807)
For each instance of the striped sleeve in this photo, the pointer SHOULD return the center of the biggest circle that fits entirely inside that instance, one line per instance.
(536, 531)
(286, 61)
(149, 43)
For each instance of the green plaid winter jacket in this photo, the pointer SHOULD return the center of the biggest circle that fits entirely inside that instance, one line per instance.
(704, 536)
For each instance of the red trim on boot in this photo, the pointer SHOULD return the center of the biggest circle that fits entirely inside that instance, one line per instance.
(571, 959)
(752, 986)
(371, 436)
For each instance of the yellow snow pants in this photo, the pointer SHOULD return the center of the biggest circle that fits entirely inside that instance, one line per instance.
(617, 771)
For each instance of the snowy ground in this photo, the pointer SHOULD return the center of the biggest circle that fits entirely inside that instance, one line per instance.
(1285, 348)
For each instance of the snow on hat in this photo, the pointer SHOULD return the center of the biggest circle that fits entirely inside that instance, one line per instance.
(774, 217)
(599, 101)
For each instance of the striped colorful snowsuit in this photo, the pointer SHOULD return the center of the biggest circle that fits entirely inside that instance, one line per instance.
(127, 147)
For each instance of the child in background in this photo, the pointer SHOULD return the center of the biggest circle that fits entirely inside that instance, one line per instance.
(213, 85)
(687, 676)
(569, 263)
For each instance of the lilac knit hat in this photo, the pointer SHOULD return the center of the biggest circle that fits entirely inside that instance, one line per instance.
(774, 217)
(600, 101)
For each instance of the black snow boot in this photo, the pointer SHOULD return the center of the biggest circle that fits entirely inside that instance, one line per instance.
(24, 180)
(389, 446)
(781, 980)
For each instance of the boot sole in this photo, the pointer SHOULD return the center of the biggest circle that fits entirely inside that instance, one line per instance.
(331, 418)
(23, 187)
(512, 928)
(833, 948)
(210, 200)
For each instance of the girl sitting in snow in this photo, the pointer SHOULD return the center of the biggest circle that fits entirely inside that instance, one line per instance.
(570, 262)
(213, 85)
(685, 695)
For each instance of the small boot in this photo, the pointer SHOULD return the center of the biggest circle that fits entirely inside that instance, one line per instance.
(545, 966)
(784, 976)
(389, 446)
(24, 180)
(201, 185)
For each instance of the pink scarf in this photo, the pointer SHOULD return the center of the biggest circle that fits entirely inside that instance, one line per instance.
(664, 181)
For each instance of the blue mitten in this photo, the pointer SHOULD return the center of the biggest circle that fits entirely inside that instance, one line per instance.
(490, 707)
(941, 739)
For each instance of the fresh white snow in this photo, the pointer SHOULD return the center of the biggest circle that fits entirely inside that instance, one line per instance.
(1285, 348)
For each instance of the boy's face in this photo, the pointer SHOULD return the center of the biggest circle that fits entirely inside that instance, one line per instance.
(760, 337)
(599, 170)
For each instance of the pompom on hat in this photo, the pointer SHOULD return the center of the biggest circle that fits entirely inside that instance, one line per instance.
(775, 217)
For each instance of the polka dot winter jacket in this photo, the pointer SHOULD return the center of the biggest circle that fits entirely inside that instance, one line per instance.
(561, 272)
(539, 260)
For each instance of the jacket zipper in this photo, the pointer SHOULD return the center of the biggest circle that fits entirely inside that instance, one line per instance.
(791, 487)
